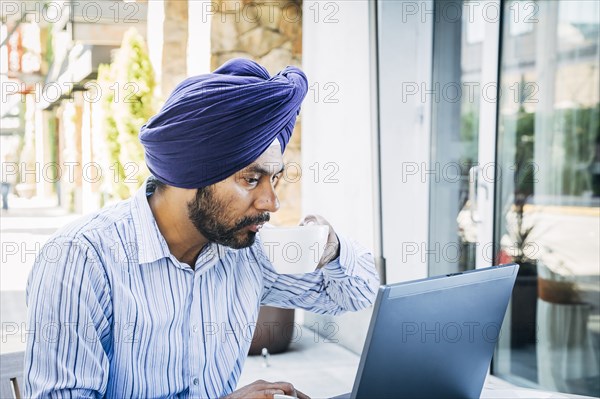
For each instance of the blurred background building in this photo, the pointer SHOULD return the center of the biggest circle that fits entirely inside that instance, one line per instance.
(445, 135)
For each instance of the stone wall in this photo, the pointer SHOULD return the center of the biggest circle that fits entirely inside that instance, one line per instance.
(269, 32)
(175, 40)
(167, 40)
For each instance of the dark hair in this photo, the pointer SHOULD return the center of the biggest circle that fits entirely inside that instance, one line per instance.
(156, 185)
(160, 186)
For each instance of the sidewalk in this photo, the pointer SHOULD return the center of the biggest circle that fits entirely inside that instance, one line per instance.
(24, 228)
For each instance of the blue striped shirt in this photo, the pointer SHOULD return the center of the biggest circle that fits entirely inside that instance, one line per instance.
(112, 313)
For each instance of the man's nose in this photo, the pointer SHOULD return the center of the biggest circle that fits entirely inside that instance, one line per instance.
(267, 200)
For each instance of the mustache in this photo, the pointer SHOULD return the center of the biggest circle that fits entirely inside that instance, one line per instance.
(252, 220)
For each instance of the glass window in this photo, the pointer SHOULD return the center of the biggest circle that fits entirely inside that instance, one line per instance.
(548, 195)
(456, 86)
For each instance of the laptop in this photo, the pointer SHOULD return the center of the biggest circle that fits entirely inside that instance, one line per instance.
(435, 337)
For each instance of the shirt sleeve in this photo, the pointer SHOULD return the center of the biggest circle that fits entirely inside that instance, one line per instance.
(348, 283)
(69, 309)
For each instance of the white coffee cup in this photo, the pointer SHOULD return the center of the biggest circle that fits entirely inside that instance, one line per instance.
(294, 250)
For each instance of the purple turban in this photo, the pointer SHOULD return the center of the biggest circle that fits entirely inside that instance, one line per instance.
(214, 125)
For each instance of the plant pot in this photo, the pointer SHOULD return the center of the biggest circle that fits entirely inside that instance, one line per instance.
(274, 330)
(524, 306)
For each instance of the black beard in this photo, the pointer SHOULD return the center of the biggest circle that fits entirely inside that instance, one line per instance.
(205, 212)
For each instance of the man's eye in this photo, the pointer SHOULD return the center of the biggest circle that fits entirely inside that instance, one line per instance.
(251, 180)
(276, 180)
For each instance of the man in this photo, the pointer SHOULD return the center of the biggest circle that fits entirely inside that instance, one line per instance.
(128, 302)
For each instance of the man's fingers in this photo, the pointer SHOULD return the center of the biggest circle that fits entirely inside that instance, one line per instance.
(264, 389)
(302, 395)
(286, 387)
(308, 219)
(261, 389)
(270, 392)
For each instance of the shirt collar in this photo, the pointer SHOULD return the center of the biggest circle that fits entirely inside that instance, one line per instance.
(151, 244)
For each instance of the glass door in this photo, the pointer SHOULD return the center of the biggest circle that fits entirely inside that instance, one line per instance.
(547, 197)
(461, 173)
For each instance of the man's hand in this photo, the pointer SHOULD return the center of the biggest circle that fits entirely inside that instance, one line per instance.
(265, 390)
(332, 249)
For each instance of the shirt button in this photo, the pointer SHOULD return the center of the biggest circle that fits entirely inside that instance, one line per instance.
(195, 328)
(196, 381)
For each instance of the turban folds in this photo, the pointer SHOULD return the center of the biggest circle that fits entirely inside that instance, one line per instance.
(216, 124)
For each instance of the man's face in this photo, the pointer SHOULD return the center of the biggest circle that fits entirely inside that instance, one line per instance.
(231, 211)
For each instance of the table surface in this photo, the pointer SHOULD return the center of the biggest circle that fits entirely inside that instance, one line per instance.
(324, 370)
(495, 388)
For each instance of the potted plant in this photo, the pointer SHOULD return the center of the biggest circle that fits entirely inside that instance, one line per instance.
(516, 244)
(524, 299)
